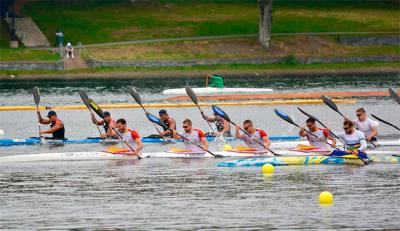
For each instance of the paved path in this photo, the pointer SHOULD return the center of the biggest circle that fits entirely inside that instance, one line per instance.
(29, 33)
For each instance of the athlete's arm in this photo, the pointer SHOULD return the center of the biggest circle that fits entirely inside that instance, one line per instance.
(237, 132)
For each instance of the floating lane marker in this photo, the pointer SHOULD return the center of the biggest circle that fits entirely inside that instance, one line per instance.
(162, 105)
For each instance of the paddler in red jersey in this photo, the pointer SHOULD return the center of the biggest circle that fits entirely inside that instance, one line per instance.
(129, 135)
(194, 135)
(108, 123)
(254, 134)
(169, 121)
(56, 125)
(321, 133)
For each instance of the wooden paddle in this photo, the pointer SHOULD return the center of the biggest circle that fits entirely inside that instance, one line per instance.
(36, 98)
(193, 97)
(385, 122)
(138, 100)
(85, 99)
(287, 118)
(157, 120)
(394, 95)
(96, 108)
(224, 115)
(323, 125)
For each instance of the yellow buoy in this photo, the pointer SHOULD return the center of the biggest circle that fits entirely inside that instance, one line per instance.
(325, 197)
(267, 168)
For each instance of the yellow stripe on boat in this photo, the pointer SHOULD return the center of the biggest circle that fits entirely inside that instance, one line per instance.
(163, 105)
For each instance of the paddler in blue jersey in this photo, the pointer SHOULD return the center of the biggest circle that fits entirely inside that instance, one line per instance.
(353, 139)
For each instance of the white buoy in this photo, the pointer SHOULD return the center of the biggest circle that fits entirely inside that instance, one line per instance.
(1, 132)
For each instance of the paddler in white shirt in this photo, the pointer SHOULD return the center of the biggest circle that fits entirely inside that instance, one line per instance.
(195, 135)
(353, 139)
(366, 125)
(321, 133)
(129, 135)
(255, 133)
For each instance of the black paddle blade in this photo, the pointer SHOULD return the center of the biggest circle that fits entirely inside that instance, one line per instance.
(135, 95)
(305, 113)
(328, 101)
(85, 98)
(394, 95)
(96, 108)
(36, 95)
(156, 120)
(385, 122)
(192, 95)
(220, 112)
(285, 117)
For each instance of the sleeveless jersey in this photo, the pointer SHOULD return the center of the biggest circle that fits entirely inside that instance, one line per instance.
(130, 137)
(259, 134)
(321, 133)
(60, 133)
(195, 137)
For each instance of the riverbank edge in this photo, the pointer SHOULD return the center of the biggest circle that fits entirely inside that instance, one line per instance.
(200, 73)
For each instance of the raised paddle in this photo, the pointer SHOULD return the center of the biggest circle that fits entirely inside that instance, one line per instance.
(85, 99)
(36, 98)
(331, 104)
(223, 114)
(323, 125)
(96, 108)
(287, 118)
(385, 122)
(193, 97)
(394, 95)
(156, 120)
(138, 100)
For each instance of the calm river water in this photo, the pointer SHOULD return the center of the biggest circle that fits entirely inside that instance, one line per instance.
(183, 194)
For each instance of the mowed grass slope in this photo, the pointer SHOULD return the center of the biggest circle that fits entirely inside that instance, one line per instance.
(119, 20)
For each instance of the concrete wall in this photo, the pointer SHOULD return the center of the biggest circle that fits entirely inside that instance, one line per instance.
(93, 63)
(32, 65)
(370, 41)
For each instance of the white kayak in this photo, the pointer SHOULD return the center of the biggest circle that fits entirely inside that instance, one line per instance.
(71, 156)
(213, 90)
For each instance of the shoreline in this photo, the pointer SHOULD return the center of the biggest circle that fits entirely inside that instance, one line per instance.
(199, 73)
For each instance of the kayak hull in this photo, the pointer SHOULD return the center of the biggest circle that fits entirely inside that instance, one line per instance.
(214, 90)
(292, 158)
(35, 141)
(305, 160)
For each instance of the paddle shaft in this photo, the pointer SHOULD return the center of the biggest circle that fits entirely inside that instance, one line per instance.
(215, 155)
(212, 129)
(39, 129)
(385, 122)
(122, 138)
(323, 125)
(249, 135)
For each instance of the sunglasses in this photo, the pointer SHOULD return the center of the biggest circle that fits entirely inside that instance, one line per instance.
(185, 126)
(358, 115)
(346, 128)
